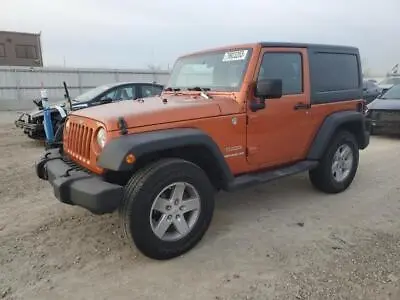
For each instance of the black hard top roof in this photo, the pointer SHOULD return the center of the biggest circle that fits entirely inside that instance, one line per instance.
(307, 45)
(310, 46)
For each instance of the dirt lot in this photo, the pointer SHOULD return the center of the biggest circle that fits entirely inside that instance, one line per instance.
(282, 240)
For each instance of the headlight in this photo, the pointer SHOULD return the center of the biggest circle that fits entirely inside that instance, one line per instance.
(101, 137)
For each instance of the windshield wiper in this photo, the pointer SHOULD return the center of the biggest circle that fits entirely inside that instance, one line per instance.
(197, 88)
(202, 90)
(170, 89)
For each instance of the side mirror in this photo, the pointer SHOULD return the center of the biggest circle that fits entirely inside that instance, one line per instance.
(268, 88)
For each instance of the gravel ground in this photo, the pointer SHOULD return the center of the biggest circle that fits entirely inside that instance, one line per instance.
(282, 240)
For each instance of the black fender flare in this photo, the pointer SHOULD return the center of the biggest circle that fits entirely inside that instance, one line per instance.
(330, 126)
(114, 153)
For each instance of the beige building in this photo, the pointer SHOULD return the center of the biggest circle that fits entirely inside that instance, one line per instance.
(20, 49)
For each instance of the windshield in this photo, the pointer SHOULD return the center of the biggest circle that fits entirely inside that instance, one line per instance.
(393, 80)
(393, 93)
(214, 71)
(90, 94)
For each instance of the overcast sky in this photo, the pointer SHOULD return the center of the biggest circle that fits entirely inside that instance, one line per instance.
(136, 33)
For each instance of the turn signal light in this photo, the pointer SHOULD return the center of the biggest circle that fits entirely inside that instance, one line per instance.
(130, 158)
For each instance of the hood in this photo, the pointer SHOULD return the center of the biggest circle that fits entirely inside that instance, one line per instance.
(153, 110)
(385, 86)
(64, 104)
(383, 104)
(37, 112)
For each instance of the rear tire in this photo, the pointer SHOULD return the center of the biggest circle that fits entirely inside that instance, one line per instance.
(334, 173)
(149, 219)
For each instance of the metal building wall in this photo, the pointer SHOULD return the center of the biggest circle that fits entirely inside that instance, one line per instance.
(19, 85)
(11, 40)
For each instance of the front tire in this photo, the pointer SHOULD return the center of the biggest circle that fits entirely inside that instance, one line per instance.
(338, 166)
(167, 208)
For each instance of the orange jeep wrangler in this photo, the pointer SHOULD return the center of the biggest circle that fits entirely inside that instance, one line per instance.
(229, 118)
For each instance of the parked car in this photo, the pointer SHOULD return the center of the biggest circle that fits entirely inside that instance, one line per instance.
(32, 122)
(229, 118)
(383, 114)
(370, 90)
(388, 82)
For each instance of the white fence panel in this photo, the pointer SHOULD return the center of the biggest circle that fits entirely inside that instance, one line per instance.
(20, 85)
(49, 79)
(94, 79)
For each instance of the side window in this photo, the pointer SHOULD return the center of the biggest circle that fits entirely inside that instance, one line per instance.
(285, 66)
(110, 95)
(335, 72)
(150, 90)
(125, 93)
(121, 93)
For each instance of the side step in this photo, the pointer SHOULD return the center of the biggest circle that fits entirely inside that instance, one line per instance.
(248, 180)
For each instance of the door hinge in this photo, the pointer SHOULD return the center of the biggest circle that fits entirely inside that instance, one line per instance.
(246, 151)
(247, 119)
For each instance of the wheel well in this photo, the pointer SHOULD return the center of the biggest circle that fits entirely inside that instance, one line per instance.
(199, 155)
(354, 127)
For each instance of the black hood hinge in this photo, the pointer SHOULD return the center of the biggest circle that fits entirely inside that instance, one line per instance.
(122, 126)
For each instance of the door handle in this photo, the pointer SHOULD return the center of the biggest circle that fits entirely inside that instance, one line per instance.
(301, 105)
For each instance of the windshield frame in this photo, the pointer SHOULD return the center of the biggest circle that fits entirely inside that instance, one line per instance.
(212, 89)
(395, 88)
(100, 90)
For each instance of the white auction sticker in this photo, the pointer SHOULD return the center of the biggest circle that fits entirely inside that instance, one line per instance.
(235, 55)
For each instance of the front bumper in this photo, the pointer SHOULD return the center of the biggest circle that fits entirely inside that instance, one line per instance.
(24, 121)
(77, 187)
(34, 129)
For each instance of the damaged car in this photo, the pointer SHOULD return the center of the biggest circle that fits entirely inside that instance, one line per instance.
(32, 122)
(383, 114)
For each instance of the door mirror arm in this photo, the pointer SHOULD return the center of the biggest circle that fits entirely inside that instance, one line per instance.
(257, 105)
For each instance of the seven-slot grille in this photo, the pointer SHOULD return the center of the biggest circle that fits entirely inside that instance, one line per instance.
(79, 141)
